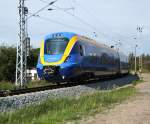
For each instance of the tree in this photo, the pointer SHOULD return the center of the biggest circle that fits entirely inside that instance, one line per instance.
(33, 58)
(8, 62)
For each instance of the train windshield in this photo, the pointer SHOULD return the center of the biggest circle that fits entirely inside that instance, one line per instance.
(56, 46)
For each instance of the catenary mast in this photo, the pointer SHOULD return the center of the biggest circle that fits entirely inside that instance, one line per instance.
(22, 46)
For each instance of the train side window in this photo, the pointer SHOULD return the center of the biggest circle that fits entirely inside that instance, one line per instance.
(81, 50)
(75, 49)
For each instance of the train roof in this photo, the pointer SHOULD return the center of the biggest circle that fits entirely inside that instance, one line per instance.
(91, 41)
(68, 35)
(82, 38)
(71, 34)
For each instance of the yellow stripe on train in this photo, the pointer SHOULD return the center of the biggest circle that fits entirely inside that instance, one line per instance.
(65, 55)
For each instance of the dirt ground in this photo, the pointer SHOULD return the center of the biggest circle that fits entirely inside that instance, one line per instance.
(134, 111)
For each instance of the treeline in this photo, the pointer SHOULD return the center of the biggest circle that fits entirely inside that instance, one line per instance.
(8, 62)
(145, 62)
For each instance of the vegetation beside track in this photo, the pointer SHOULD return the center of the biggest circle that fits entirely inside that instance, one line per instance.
(8, 62)
(137, 82)
(67, 109)
(6, 85)
(146, 62)
(11, 86)
(37, 83)
(146, 71)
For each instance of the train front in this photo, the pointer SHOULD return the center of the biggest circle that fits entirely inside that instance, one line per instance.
(57, 57)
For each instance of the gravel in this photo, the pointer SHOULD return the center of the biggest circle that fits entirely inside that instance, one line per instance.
(11, 103)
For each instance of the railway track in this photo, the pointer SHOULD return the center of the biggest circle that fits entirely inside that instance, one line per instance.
(23, 97)
(6, 93)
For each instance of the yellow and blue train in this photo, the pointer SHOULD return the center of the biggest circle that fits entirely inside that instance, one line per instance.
(68, 56)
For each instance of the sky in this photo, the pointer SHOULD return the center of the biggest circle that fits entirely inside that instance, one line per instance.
(106, 21)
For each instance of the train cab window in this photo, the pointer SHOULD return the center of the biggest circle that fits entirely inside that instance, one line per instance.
(55, 46)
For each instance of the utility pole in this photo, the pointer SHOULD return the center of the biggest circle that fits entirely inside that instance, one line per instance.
(23, 43)
(135, 69)
(140, 30)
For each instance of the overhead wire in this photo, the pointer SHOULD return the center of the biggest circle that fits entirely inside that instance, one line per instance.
(43, 8)
(50, 20)
(65, 9)
(122, 37)
(93, 15)
(76, 17)
(93, 29)
(57, 22)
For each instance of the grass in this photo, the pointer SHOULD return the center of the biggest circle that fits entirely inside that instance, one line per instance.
(58, 111)
(37, 83)
(137, 82)
(6, 85)
(10, 86)
(145, 71)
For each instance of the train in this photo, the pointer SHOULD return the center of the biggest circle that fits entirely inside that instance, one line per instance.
(67, 56)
